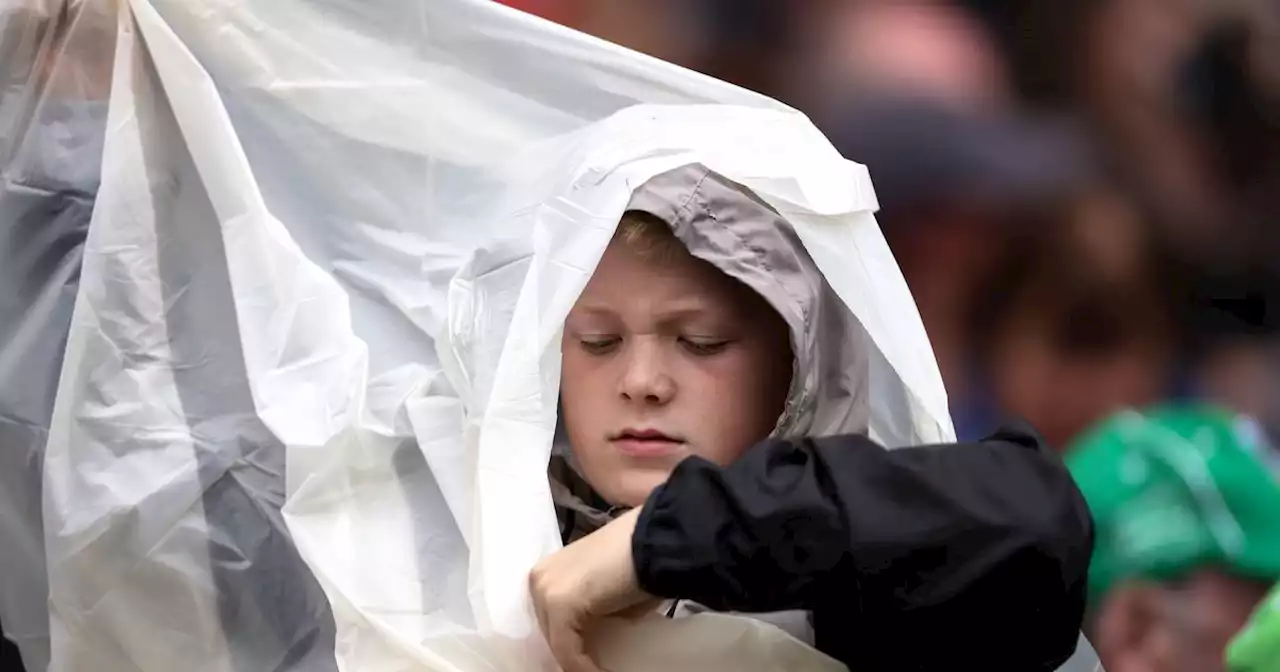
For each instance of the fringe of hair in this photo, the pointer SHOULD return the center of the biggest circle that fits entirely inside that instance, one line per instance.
(650, 237)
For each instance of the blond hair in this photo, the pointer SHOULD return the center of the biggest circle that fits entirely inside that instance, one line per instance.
(649, 237)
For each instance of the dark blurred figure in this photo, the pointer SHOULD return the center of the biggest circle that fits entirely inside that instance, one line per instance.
(992, 212)
(1071, 325)
(1185, 95)
(751, 43)
(1183, 92)
(956, 188)
(924, 102)
(1184, 99)
(10, 659)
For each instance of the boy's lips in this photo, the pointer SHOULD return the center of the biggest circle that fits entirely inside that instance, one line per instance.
(646, 443)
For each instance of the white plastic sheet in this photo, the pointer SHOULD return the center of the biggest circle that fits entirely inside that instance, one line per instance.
(309, 385)
(52, 120)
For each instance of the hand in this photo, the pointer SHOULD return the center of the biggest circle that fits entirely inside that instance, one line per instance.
(585, 581)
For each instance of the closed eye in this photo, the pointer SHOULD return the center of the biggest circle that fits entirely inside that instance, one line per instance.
(704, 347)
(599, 345)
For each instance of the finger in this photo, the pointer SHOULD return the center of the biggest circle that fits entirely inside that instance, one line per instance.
(539, 609)
(569, 649)
(541, 613)
(539, 600)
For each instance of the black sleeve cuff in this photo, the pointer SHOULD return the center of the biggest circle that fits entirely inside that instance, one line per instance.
(642, 550)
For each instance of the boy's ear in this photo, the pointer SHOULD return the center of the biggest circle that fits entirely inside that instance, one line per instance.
(1130, 632)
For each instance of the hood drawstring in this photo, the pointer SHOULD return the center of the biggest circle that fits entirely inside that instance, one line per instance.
(580, 509)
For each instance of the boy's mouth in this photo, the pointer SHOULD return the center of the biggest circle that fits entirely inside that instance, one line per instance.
(646, 443)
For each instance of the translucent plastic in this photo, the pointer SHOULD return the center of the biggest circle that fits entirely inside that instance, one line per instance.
(53, 89)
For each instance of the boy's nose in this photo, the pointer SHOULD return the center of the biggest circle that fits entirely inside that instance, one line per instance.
(645, 379)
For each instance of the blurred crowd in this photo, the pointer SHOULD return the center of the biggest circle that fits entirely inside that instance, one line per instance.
(1080, 193)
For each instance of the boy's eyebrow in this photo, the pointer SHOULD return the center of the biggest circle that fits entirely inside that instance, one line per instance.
(683, 312)
(595, 310)
(678, 311)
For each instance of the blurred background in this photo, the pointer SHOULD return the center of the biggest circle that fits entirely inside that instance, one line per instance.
(1081, 193)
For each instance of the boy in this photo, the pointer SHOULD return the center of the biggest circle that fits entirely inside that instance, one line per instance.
(676, 367)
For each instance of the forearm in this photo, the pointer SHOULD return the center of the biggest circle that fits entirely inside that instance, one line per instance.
(918, 526)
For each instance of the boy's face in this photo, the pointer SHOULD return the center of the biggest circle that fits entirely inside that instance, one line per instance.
(666, 359)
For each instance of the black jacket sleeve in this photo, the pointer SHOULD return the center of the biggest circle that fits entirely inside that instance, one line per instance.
(915, 543)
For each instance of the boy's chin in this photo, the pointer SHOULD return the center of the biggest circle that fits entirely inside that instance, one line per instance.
(634, 488)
